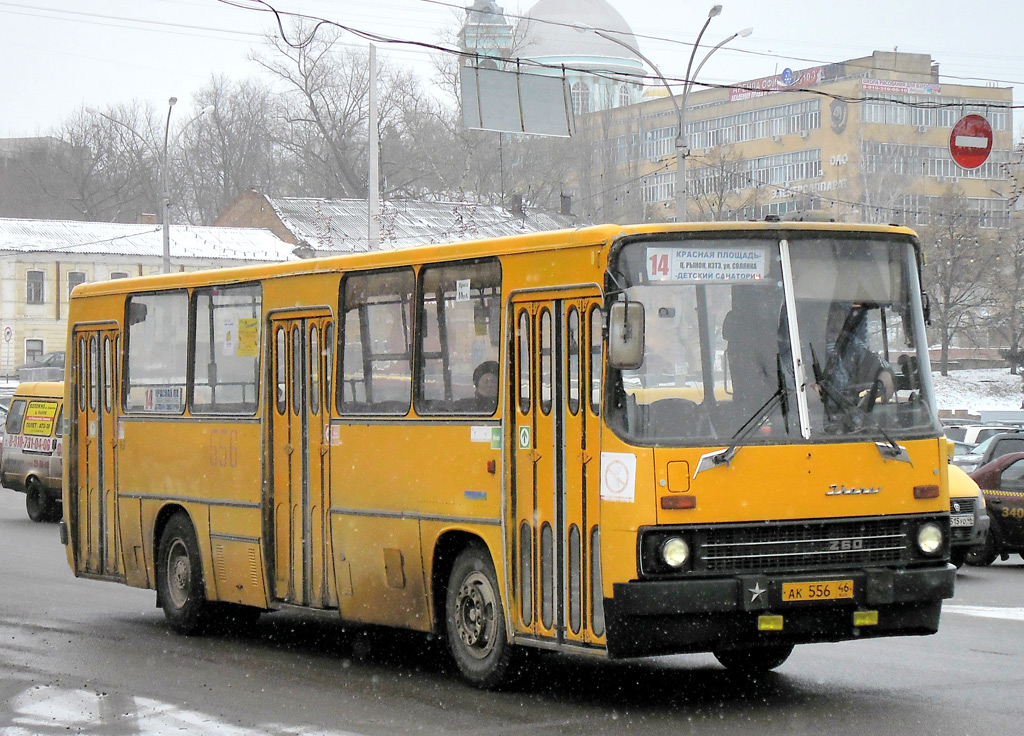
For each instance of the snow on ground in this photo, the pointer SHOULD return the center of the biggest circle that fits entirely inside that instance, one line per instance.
(981, 389)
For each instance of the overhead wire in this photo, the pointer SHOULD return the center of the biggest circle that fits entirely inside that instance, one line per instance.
(318, 22)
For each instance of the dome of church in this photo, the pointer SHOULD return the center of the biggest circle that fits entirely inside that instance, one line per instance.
(557, 30)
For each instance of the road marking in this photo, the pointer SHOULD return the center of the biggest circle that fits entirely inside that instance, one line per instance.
(1006, 614)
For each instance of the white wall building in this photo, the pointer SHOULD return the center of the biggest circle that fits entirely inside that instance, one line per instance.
(41, 261)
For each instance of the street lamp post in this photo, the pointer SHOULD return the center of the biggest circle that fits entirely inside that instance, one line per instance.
(165, 216)
(164, 166)
(682, 150)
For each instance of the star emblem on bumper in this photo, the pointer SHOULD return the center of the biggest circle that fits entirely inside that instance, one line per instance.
(756, 592)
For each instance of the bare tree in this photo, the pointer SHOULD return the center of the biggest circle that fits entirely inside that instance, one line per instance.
(111, 162)
(886, 175)
(956, 260)
(720, 184)
(234, 148)
(325, 107)
(1007, 290)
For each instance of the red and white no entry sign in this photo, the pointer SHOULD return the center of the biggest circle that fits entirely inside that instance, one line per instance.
(970, 141)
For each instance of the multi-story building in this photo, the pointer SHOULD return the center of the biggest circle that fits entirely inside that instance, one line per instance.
(864, 139)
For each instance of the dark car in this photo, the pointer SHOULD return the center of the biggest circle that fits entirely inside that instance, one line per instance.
(46, 360)
(1002, 484)
(995, 446)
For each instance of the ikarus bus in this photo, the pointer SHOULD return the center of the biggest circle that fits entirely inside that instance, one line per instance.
(620, 441)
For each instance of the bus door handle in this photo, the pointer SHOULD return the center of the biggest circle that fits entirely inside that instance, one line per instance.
(535, 456)
(288, 449)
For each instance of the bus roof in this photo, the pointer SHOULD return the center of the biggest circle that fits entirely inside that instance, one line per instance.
(45, 389)
(527, 242)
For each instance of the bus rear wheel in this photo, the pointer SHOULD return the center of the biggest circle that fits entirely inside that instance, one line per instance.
(754, 660)
(475, 620)
(179, 577)
(38, 504)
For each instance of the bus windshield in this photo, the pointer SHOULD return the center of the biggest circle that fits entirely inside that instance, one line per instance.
(724, 363)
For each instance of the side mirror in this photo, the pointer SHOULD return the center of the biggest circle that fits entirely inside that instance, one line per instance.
(626, 335)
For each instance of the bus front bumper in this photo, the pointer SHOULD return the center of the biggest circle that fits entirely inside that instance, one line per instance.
(674, 616)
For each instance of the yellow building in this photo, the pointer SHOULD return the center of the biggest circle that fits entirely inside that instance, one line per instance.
(41, 261)
(864, 140)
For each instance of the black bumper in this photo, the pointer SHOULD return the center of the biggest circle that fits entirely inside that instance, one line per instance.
(665, 617)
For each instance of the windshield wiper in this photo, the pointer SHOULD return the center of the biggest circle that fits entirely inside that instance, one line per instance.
(889, 448)
(780, 398)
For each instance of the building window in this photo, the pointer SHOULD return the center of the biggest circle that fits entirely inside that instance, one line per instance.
(33, 350)
(118, 275)
(623, 95)
(580, 98)
(35, 292)
(74, 279)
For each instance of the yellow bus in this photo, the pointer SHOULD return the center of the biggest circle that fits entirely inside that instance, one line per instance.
(614, 440)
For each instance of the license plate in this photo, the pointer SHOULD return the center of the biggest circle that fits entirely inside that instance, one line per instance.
(820, 590)
(962, 520)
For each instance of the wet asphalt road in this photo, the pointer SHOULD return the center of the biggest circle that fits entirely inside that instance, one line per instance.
(85, 657)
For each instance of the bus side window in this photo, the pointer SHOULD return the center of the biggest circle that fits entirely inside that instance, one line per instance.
(595, 360)
(459, 336)
(281, 371)
(81, 377)
(375, 342)
(524, 362)
(225, 368)
(545, 361)
(157, 354)
(573, 357)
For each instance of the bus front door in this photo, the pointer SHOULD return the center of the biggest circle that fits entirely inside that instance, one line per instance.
(555, 462)
(94, 488)
(299, 464)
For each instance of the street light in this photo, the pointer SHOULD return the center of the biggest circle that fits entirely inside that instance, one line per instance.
(164, 166)
(165, 215)
(682, 150)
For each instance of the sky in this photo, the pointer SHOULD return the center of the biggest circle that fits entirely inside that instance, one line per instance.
(58, 56)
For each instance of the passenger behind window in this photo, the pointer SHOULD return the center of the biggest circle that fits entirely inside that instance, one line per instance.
(485, 383)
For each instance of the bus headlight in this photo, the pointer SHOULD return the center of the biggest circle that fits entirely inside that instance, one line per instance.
(929, 538)
(675, 552)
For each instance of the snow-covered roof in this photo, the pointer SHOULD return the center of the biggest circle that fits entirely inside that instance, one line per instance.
(112, 238)
(332, 225)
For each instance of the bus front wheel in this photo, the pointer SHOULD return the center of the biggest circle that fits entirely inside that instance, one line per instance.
(179, 577)
(475, 621)
(755, 659)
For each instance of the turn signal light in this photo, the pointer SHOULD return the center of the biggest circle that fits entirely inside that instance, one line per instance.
(679, 502)
(926, 491)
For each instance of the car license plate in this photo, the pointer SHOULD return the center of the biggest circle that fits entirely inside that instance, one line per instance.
(820, 590)
(962, 520)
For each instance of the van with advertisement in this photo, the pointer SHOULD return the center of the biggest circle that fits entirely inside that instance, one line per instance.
(33, 448)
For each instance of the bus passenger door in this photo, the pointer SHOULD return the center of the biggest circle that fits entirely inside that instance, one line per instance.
(554, 464)
(93, 427)
(299, 464)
